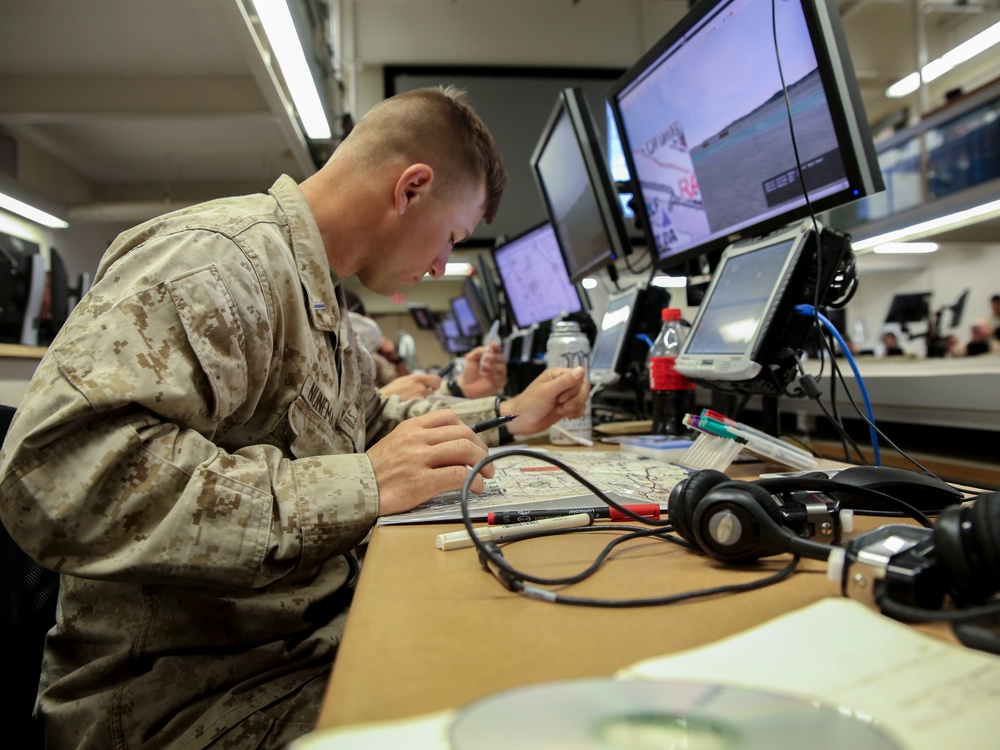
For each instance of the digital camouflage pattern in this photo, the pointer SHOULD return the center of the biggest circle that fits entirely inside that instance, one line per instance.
(189, 456)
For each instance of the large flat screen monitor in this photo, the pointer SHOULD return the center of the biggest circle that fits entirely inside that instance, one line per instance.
(575, 185)
(704, 119)
(534, 278)
(746, 324)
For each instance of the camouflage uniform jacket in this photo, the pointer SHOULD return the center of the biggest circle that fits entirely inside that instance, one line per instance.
(189, 456)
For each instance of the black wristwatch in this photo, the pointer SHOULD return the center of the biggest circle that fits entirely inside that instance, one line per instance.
(455, 389)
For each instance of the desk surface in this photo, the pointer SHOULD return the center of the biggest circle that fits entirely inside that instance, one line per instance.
(430, 630)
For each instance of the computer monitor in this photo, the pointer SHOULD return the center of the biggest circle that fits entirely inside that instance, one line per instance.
(958, 308)
(451, 337)
(704, 121)
(611, 345)
(746, 331)
(423, 317)
(468, 324)
(909, 308)
(483, 268)
(534, 277)
(57, 309)
(21, 272)
(473, 292)
(573, 179)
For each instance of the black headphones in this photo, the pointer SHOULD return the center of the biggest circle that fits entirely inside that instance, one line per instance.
(967, 543)
(739, 522)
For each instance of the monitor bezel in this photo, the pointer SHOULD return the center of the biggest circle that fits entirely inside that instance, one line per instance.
(505, 283)
(572, 104)
(847, 112)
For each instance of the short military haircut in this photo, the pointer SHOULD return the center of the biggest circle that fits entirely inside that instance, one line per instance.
(439, 127)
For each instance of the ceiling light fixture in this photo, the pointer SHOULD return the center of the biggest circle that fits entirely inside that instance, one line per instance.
(284, 40)
(906, 247)
(936, 68)
(924, 228)
(24, 202)
(454, 270)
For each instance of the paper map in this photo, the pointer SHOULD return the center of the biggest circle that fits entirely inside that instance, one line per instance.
(532, 482)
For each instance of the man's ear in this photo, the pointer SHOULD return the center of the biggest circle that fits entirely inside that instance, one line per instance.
(413, 185)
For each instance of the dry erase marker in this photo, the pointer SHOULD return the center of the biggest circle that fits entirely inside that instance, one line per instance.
(646, 510)
(459, 539)
(490, 424)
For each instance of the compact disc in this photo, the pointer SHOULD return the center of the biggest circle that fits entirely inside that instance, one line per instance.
(606, 714)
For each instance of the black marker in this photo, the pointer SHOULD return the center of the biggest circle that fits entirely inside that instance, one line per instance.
(490, 424)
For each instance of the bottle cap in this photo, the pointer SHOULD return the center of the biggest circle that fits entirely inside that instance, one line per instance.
(670, 313)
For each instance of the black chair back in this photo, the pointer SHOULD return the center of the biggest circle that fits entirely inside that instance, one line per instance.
(28, 594)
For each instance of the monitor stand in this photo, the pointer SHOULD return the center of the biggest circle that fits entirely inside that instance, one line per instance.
(771, 422)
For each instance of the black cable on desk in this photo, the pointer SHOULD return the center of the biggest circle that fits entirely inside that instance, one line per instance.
(518, 581)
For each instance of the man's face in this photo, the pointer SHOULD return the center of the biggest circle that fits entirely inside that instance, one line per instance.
(422, 240)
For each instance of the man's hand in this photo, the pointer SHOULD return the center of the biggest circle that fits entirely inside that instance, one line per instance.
(485, 372)
(558, 392)
(424, 456)
(411, 386)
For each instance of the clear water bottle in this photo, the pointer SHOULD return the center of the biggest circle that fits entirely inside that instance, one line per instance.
(671, 393)
(568, 346)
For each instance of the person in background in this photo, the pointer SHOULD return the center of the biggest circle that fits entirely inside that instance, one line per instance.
(890, 345)
(981, 339)
(202, 448)
(994, 321)
(484, 370)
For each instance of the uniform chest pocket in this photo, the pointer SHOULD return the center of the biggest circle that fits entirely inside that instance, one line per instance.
(311, 435)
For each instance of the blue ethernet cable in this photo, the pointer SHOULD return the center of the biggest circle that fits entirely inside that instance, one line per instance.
(811, 312)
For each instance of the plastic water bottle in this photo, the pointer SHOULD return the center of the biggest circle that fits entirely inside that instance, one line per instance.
(671, 393)
(568, 346)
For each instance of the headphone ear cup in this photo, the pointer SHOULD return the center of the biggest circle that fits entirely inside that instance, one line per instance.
(739, 522)
(985, 519)
(967, 540)
(684, 499)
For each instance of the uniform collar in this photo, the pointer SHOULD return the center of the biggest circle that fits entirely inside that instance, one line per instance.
(318, 281)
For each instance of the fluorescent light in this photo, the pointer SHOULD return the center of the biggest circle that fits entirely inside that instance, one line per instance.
(589, 282)
(457, 269)
(30, 212)
(936, 68)
(284, 41)
(454, 270)
(670, 282)
(942, 223)
(907, 247)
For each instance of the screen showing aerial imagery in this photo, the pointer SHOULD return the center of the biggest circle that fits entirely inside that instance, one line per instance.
(708, 131)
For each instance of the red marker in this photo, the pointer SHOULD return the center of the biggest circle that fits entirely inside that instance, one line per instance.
(646, 510)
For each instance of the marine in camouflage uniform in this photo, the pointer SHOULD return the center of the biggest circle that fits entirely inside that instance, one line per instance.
(204, 533)
(202, 447)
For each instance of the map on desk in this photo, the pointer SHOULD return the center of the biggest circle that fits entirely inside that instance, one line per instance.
(529, 481)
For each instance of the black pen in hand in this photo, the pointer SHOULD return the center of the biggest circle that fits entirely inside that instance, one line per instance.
(490, 424)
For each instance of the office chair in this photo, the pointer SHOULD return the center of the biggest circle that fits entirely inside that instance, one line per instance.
(28, 595)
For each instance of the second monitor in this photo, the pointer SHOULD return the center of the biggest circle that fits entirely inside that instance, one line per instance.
(577, 190)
